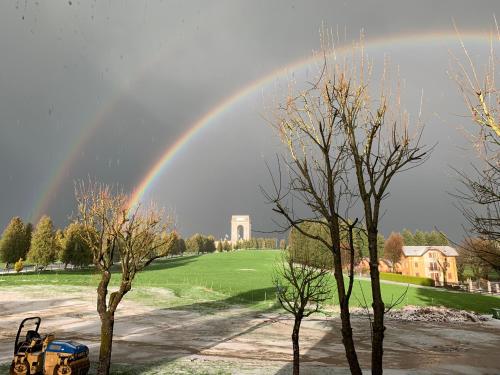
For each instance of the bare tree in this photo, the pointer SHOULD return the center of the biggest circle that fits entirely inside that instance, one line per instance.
(139, 235)
(393, 248)
(443, 266)
(301, 290)
(479, 197)
(335, 132)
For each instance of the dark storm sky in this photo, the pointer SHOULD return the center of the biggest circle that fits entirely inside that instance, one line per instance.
(141, 72)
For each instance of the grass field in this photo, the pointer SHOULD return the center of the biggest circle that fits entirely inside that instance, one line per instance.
(241, 277)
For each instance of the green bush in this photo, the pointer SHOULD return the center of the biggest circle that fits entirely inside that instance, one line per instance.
(424, 281)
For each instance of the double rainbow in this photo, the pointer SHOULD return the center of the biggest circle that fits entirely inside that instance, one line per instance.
(210, 118)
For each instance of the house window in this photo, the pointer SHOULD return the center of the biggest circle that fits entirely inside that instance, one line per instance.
(416, 264)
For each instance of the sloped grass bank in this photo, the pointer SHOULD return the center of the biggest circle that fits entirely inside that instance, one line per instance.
(423, 281)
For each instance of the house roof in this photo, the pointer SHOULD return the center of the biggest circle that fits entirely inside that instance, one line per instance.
(418, 251)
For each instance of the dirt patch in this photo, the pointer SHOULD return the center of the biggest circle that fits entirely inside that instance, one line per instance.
(243, 337)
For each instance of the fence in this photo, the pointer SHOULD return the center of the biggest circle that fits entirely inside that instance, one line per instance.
(482, 286)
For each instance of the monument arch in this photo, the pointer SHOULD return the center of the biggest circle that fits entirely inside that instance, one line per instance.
(241, 228)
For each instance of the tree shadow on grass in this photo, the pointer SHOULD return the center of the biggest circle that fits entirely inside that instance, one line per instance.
(168, 263)
(247, 298)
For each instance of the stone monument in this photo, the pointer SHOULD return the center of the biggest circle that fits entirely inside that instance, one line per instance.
(241, 228)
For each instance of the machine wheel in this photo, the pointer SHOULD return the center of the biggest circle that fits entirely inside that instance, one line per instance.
(62, 370)
(22, 368)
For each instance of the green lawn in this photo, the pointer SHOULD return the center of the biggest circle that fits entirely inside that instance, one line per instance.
(240, 277)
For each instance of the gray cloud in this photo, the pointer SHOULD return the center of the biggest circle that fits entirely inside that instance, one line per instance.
(164, 64)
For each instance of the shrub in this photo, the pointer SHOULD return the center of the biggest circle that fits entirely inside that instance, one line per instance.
(19, 265)
(423, 281)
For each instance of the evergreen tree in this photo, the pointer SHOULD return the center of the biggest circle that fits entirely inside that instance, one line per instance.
(442, 239)
(380, 244)
(226, 246)
(209, 244)
(74, 249)
(28, 232)
(407, 238)
(419, 238)
(14, 242)
(432, 238)
(182, 246)
(360, 243)
(194, 244)
(43, 248)
(60, 241)
(219, 246)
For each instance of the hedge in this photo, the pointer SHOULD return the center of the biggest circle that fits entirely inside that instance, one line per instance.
(424, 281)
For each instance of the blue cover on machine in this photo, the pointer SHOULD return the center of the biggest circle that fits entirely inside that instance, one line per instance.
(70, 347)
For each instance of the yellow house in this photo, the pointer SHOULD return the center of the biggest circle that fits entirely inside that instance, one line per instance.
(435, 262)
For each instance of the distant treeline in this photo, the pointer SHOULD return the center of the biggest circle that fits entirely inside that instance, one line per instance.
(257, 243)
(43, 244)
(199, 244)
(317, 254)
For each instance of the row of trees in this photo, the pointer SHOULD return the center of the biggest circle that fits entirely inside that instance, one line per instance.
(43, 244)
(422, 238)
(199, 244)
(224, 246)
(319, 253)
(257, 243)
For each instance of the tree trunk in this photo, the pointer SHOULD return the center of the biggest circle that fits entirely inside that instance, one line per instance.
(295, 343)
(107, 323)
(378, 327)
(347, 339)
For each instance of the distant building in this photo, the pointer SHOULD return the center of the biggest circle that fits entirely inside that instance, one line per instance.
(431, 262)
(241, 228)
